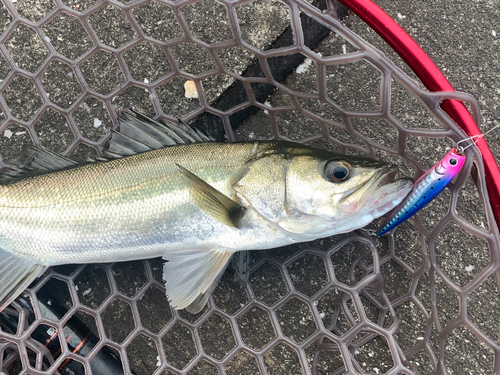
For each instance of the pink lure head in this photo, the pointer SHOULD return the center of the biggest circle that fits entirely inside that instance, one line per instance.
(451, 163)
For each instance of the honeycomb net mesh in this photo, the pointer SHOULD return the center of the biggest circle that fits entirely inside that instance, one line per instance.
(422, 300)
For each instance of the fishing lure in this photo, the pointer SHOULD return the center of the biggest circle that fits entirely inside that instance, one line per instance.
(425, 189)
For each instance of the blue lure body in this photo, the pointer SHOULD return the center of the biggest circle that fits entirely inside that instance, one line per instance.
(427, 187)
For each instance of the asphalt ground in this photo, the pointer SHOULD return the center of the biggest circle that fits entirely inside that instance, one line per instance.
(459, 37)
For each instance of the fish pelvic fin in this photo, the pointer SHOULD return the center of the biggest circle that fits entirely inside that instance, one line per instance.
(16, 273)
(199, 303)
(190, 276)
(213, 202)
(241, 265)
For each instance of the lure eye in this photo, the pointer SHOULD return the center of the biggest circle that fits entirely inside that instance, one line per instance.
(453, 161)
(338, 171)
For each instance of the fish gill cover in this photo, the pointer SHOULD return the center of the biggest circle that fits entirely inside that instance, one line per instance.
(264, 70)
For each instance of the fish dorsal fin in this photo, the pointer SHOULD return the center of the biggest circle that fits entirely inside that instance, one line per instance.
(190, 275)
(33, 161)
(139, 133)
(213, 202)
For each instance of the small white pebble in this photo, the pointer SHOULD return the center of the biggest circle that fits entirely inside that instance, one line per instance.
(19, 133)
(70, 74)
(76, 288)
(7, 133)
(146, 80)
(469, 268)
(87, 291)
(267, 104)
(344, 49)
(190, 90)
(85, 106)
(377, 371)
(47, 39)
(158, 363)
(420, 338)
(97, 122)
(159, 22)
(321, 315)
(400, 16)
(494, 33)
(241, 305)
(49, 302)
(304, 66)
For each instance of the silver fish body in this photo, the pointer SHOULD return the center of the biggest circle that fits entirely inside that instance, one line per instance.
(172, 202)
(127, 209)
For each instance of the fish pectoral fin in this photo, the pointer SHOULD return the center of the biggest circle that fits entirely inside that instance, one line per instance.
(189, 275)
(16, 274)
(213, 202)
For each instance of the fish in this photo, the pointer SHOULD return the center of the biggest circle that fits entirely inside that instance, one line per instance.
(427, 187)
(171, 191)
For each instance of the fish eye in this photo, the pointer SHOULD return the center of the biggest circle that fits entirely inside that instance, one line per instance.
(338, 171)
(453, 161)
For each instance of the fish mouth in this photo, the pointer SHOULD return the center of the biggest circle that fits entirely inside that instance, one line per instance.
(388, 192)
(383, 176)
(389, 176)
(380, 195)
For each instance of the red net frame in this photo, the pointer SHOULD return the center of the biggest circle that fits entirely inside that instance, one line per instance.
(434, 80)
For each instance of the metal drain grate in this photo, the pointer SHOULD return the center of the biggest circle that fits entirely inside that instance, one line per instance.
(424, 300)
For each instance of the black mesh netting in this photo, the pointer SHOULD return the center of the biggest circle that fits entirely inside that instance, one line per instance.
(423, 300)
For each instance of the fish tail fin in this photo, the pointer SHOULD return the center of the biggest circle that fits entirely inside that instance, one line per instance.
(16, 273)
(190, 274)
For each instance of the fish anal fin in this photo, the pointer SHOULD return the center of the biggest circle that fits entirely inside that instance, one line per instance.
(190, 275)
(16, 274)
(213, 202)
